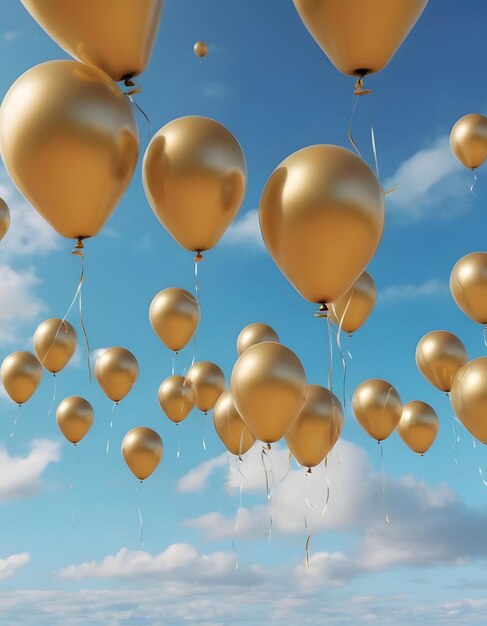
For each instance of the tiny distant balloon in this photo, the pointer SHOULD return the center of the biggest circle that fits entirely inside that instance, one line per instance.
(200, 49)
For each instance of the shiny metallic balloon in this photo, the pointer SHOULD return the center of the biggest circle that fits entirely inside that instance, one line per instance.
(208, 383)
(468, 140)
(255, 333)
(230, 427)
(174, 315)
(468, 286)
(418, 426)
(353, 309)
(74, 417)
(176, 398)
(377, 407)
(4, 218)
(142, 450)
(116, 370)
(200, 49)
(439, 356)
(21, 374)
(54, 344)
(469, 397)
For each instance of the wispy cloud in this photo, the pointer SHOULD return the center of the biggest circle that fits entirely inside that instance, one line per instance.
(11, 35)
(198, 478)
(216, 90)
(399, 293)
(245, 232)
(12, 564)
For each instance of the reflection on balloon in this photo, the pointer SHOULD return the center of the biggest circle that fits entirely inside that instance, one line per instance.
(377, 407)
(230, 427)
(468, 286)
(439, 356)
(142, 451)
(54, 344)
(174, 315)
(352, 310)
(21, 374)
(255, 333)
(468, 140)
(176, 398)
(208, 382)
(74, 417)
(469, 397)
(4, 218)
(418, 426)
(116, 370)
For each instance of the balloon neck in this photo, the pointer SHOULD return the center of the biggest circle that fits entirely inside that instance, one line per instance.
(240, 458)
(359, 89)
(350, 335)
(322, 311)
(447, 394)
(309, 470)
(198, 256)
(268, 446)
(79, 247)
(133, 88)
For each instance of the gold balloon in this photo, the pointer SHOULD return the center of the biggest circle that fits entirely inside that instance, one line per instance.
(469, 397)
(268, 386)
(468, 140)
(4, 218)
(115, 35)
(230, 427)
(468, 286)
(174, 314)
(176, 398)
(439, 356)
(194, 177)
(54, 344)
(322, 216)
(317, 428)
(208, 383)
(74, 417)
(200, 49)
(69, 141)
(21, 374)
(377, 407)
(142, 450)
(255, 333)
(418, 426)
(352, 310)
(359, 37)
(116, 371)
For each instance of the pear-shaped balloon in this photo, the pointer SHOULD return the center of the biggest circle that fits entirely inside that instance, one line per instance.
(70, 143)
(322, 216)
(74, 417)
(377, 407)
(176, 397)
(317, 428)
(142, 450)
(4, 218)
(468, 286)
(439, 356)
(116, 370)
(255, 333)
(208, 382)
(353, 309)
(194, 176)
(115, 35)
(468, 140)
(174, 315)
(230, 427)
(418, 426)
(54, 344)
(21, 374)
(469, 397)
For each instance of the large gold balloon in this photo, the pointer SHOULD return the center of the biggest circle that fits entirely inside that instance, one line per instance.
(317, 428)
(468, 286)
(116, 370)
(439, 356)
(142, 450)
(230, 427)
(268, 386)
(200, 49)
(176, 398)
(469, 397)
(352, 310)
(377, 407)
(174, 314)
(115, 35)
(359, 37)
(194, 177)
(69, 141)
(54, 344)
(255, 333)
(468, 140)
(4, 218)
(208, 383)
(21, 374)
(74, 417)
(418, 426)
(322, 216)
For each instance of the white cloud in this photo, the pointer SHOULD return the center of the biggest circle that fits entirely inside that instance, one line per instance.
(197, 478)
(11, 35)
(245, 231)
(216, 90)
(430, 183)
(12, 564)
(397, 293)
(20, 476)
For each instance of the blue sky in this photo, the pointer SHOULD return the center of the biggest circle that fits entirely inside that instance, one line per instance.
(269, 83)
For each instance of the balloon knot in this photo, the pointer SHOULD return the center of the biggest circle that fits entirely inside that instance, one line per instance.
(359, 89)
(240, 458)
(322, 311)
(198, 256)
(79, 247)
(269, 446)
(133, 88)
(309, 470)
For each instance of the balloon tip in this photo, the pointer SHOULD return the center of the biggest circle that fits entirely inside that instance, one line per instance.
(198, 256)
(322, 311)
(79, 247)
(309, 471)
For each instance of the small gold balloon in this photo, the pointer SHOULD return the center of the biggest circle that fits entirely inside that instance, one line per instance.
(4, 218)
(230, 427)
(468, 286)
(439, 356)
(194, 176)
(116, 36)
(268, 386)
(70, 143)
(418, 426)
(359, 37)
(174, 315)
(352, 310)
(176, 398)
(21, 374)
(116, 370)
(200, 49)
(142, 450)
(469, 397)
(377, 407)
(54, 344)
(208, 383)
(74, 417)
(322, 216)
(468, 140)
(317, 428)
(255, 333)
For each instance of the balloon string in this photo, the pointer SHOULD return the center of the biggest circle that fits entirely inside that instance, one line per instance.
(53, 396)
(330, 355)
(423, 483)
(15, 420)
(485, 335)
(350, 125)
(479, 467)
(72, 486)
(383, 475)
(144, 114)
(349, 349)
(61, 323)
(339, 344)
(269, 491)
(320, 519)
(203, 432)
(178, 441)
(139, 512)
(80, 302)
(173, 367)
(456, 441)
(237, 521)
(306, 497)
(111, 428)
(473, 186)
